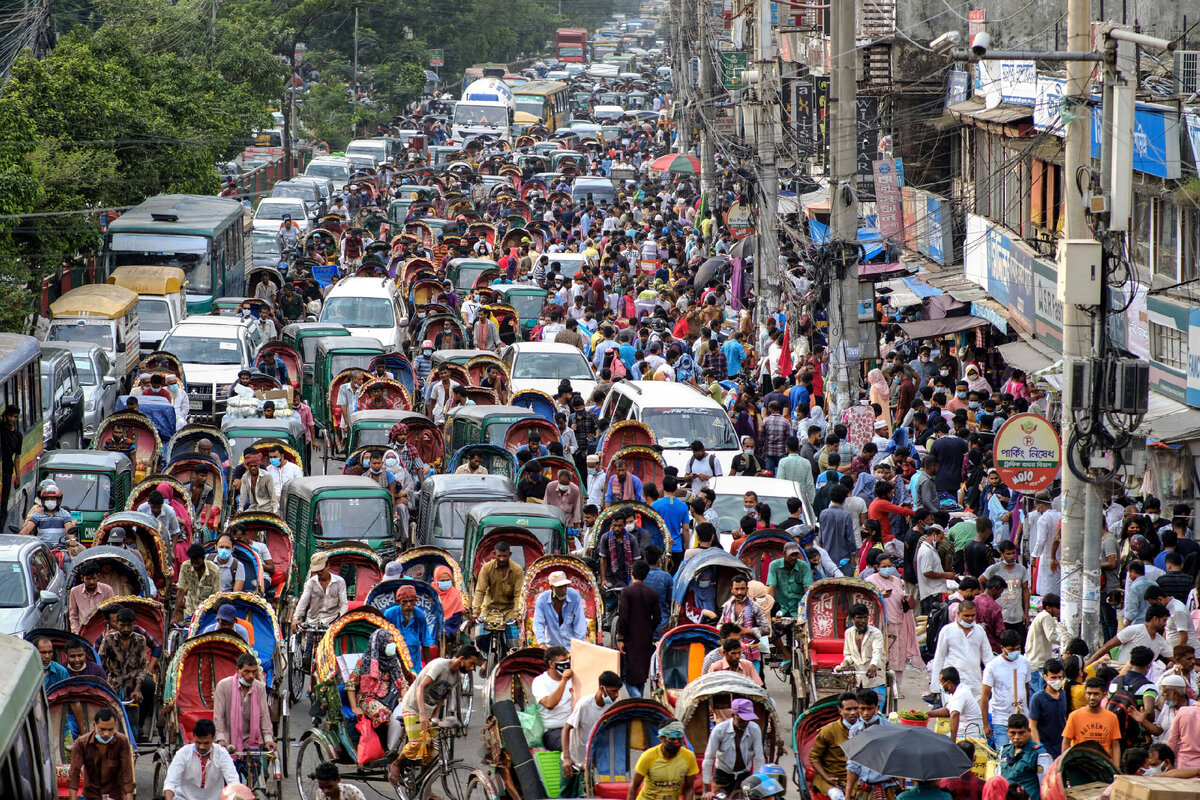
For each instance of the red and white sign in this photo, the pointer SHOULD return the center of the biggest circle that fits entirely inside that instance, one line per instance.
(1028, 453)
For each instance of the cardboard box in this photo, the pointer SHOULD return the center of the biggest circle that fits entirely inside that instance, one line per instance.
(1128, 787)
(1088, 791)
(276, 395)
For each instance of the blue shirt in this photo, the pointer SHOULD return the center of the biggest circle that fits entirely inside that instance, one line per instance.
(54, 673)
(546, 627)
(734, 353)
(663, 583)
(1050, 715)
(629, 476)
(601, 349)
(797, 395)
(675, 513)
(416, 632)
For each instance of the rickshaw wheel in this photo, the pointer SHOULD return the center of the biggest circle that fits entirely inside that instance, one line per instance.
(452, 784)
(480, 787)
(160, 775)
(282, 746)
(306, 761)
(295, 680)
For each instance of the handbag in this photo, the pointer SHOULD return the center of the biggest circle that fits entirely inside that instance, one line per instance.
(369, 746)
(906, 604)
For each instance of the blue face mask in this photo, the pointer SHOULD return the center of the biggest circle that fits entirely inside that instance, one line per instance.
(224, 553)
(104, 739)
(275, 462)
(962, 395)
(974, 404)
(1013, 656)
(889, 572)
(445, 585)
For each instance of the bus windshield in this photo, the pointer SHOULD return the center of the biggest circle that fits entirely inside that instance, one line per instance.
(189, 253)
(533, 107)
(471, 114)
(568, 51)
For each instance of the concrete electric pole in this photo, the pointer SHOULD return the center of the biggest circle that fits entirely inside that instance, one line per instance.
(767, 132)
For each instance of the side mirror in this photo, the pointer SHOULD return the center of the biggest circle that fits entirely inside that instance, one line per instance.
(404, 322)
(46, 599)
(109, 380)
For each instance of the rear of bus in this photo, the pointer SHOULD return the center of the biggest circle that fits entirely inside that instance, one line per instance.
(27, 766)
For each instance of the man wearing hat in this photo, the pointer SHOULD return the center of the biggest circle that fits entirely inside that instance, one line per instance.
(227, 623)
(117, 537)
(413, 624)
(558, 613)
(788, 578)
(596, 480)
(323, 599)
(734, 751)
(667, 770)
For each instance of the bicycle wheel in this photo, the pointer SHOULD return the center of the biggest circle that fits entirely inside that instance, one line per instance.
(306, 761)
(296, 676)
(448, 784)
(482, 787)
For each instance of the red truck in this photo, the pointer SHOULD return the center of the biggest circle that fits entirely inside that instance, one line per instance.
(570, 44)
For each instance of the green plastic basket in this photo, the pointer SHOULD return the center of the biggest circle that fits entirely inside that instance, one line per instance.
(549, 763)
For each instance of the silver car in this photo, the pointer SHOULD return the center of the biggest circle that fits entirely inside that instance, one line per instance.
(97, 376)
(33, 593)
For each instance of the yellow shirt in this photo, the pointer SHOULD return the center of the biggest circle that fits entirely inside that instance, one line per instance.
(664, 779)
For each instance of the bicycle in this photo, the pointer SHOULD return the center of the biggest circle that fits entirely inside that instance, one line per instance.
(498, 646)
(302, 644)
(439, 775)
(256, 770)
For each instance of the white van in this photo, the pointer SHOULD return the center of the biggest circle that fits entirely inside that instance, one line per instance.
(367, 307)
(378, 149)
(103, 315)
(162, 301)
(679, 414)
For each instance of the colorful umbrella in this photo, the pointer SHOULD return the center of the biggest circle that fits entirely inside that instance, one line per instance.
(678, 163)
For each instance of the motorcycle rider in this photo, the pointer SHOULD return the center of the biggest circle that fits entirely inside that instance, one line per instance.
(289, 235)
(53, 524)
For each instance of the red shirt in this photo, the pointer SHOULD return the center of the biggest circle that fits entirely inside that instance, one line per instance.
(967, 787)
(599, 298)
(680, 331)
(880, 509)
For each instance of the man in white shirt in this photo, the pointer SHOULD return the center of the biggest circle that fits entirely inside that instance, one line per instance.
(579, 727)
(964, 646)
(958, 704)
(1150, 633)
(552, 690)
(280, 469)
(931, 576)
(1180, 629)
(439, 395)
(1005, 687)
(200, 770)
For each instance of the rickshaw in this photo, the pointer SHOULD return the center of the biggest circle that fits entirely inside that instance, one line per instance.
(60, 639)
(302, 337)
(678, 660)
(84, 695)
(644, 516)
(481, 395)
(804, 733)
(477, 368)
(149, 614)
(151, 543)
(708, 698)
(446, 331)
(196, 667)
(375, 427)
(272, 531)
(537, 580)
(625, 730)
(293, 367)
(158, 410)
(181, 468)
(483, 230)
(400, 368)
(628, 433)
(538, 402)
(424, 291)
(820, 637)
(326, 511)
(644, 462)
(94, 483)
(497, 460)
(261, 273)
(722, 568)
(334, 737)
(147, 445)
(119, 568)
(507, 322)
(517, 435)
(173, 493)
(358, 566)
(761, 548)
(394, 394)
(482, 424)
(509, 689)
(186, 440)
(481, 548)
(334, 355)
(383, 597)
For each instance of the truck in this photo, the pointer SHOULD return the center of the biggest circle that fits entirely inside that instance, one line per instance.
(570, 44)
(486, 109)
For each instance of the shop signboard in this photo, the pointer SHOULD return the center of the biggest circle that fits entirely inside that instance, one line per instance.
(1028, 453)
(1155, 140)
(889, 208)
(958, 87)
(437, 58)
(733, 68)
(1047, 110)
(1048, 310)
(1193, 373)
(1002, 265)
(1193, 132)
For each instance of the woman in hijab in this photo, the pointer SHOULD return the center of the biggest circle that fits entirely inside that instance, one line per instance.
(704, 596)
(376, 683)
(976, 382)
(451, 597)
(815, 419)
(880, 394)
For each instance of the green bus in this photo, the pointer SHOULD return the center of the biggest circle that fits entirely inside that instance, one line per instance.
(204, 236)
(26, 765)
(21, 386)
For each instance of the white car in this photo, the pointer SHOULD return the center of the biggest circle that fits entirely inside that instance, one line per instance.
(271, 210)
(367, 307)
(544, 365)
(730, 503)
(212, 350)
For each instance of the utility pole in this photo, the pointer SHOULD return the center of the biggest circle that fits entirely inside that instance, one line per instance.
(767, 296)
(354, 77)
(685, 30)
(705, 109)
(842, 136)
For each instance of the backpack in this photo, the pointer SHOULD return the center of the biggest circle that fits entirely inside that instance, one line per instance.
(1121, 700)
(821, 498)
(939, 617)
(615, 365)
(711, 464)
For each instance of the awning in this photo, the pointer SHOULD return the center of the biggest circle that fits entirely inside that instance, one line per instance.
(879, 270)
(1169, 421)
(954, 283)
(927, 328)
(920, 288)
(1003, 114)
(1028, 356)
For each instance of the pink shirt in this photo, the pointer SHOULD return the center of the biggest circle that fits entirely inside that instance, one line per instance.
(1184, 738)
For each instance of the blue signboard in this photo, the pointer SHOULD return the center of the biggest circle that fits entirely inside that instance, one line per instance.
(957, 87)
(1155, 140)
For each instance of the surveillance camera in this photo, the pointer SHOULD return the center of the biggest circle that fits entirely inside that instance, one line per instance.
(946, 41)
(981, 43)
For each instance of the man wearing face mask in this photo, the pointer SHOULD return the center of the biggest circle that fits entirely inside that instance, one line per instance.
(734, 751)
(578, 729)
(958, 705)
(103, 759)
(412, 623)
(558, 613)
(240, 711)
(862, 780)
(1005, 688)
(618, 549)
(281, 470)
(963, 646)
(667, 771)
(233, 572)
(553, 692)
(923, 368)
(826, 754)
(200, 770)
(422, 365)
(125, 656)
(1048, 709)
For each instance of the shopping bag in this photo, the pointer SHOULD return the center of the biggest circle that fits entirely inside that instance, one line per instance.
(369, 746)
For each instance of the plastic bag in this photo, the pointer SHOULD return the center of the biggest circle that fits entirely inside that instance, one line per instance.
(369, 746)
(532, 725)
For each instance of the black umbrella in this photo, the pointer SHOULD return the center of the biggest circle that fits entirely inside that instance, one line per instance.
(902, 751)
(743, 248)
(708, 270)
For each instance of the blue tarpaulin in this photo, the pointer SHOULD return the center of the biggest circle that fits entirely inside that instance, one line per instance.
(920, 288)
(868, 237)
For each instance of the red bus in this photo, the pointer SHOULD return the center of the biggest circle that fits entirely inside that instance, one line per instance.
(570, 44)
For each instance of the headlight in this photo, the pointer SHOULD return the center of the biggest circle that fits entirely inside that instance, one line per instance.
(90, 405)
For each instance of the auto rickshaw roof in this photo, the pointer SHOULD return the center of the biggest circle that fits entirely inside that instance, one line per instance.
(90, 460)
(311, 485)
(386, 417)
(512, 508)
(149, 279)
(483, 414)
(460, 356)
(325, 328)
(341, 343)
(98, 300)
(466, 485)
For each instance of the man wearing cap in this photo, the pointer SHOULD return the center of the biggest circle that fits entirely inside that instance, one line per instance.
(596, 480)
(558, 614)
(227, 623)
(788, 578)
(412, 623)
(497, 588)
(734, 751)
(323, 599)
(666, 771)
(1173, 689)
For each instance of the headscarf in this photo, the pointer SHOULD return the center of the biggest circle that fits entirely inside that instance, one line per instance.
(452, 602)
(816, 419)
(375, 663)
(879, 385)
(864, 486)
(978, 383)
(899, 439)
(995, 788)
(757, 591)
(168, 493)
(705, 597)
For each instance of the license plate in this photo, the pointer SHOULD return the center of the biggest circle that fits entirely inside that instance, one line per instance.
(197, 404)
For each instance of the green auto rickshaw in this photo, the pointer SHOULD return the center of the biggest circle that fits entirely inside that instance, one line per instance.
(94, 483)
(242, 433)
(302, 337)
(469, 425)
(544, 525)
(462, 272)
(528, 300)
(327, 511)
(333, 355)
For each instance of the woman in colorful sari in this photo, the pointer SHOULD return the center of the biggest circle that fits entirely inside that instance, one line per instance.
(376, 683)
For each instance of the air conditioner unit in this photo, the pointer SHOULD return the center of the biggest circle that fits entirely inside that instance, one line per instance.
(1187, 71)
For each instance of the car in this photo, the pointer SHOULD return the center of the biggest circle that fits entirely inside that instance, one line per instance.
(264, 249)
(98, 377)
(212, 350)
(679, 414)
(33, 593)
(271, 210)
(731, 492)
(335, 168)
(593, 189)
(324, 186)
(544, 365)
(568, 263)
(62, 399)
(367, 307)
(302, 190)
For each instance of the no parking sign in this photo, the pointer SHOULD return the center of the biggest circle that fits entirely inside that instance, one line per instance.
(1028, 453)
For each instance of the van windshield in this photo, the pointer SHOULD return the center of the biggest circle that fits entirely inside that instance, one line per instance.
(154, 314)
(203, 350)
(679, 427)
(352, 518)
(88, 332)
(359, 312)
(334, 172)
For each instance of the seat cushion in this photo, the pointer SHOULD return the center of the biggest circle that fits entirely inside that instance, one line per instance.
(826, 646)
(617, 790)
(826, 660)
